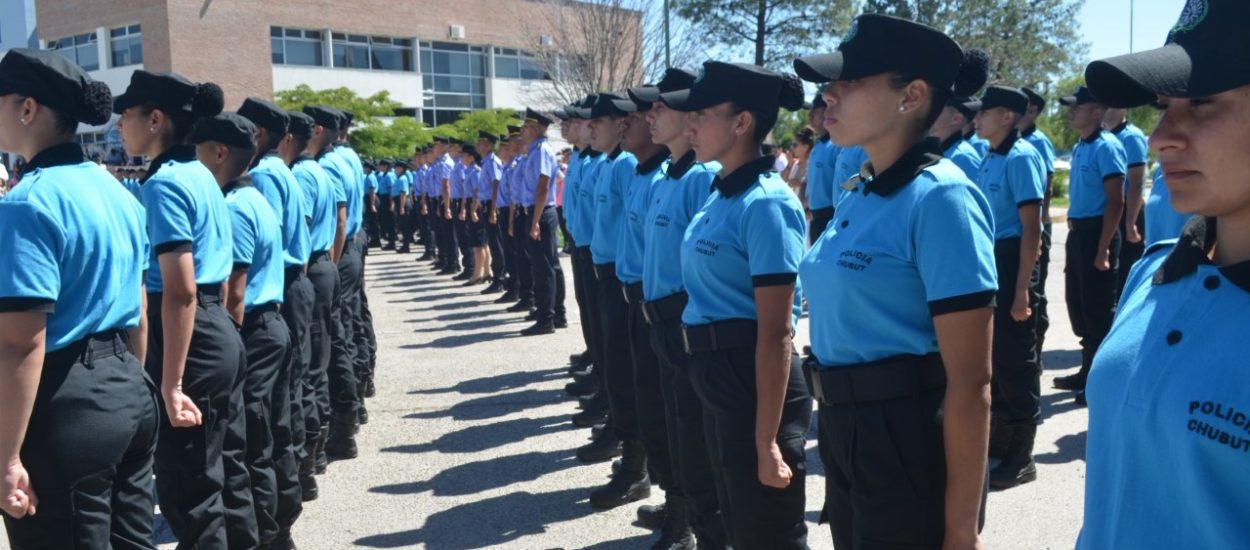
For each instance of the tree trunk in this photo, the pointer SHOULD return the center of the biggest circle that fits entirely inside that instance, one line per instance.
(761, 24)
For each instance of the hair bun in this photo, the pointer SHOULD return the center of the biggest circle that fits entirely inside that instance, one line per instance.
(973, 73)
(209, 100)
(791, 97)
(97, 103)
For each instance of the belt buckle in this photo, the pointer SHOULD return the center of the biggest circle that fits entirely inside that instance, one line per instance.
(685, 340)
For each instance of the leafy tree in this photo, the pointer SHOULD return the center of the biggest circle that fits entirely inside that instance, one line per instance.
(378, 139)
(1055, 120)
(364, 108)
(495, 121)
(774, 31)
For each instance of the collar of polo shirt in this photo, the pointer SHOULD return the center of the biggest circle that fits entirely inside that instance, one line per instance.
(921, 156)
(744, 176)
(57, 155)
(1196, 241)
(678, 168)
(1008, 143)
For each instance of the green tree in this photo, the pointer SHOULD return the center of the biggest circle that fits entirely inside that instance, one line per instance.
(774, 31)
(494, 121)
(1055, 120)
(377, 139)
(788, 122)
(364, 108)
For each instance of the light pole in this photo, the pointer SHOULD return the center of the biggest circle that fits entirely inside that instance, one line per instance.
(1131, 6)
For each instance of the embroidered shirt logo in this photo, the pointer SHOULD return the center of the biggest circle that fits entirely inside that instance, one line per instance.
(1194, 14)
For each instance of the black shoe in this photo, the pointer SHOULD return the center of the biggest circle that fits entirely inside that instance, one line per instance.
(523, 305)
(463, 276)
(342, 442)
(1079, 398)
(651, 516)
(582, 388)
(539, 328)
(675, 532)
(403, 250)
(495, 287)
(322, 461)
(532, 315)
(448, 271)
(283, 542)
(375, 244)
(577, 371)
(507, 298)
(589, 418)
(596, 432)
(370, 389)
(602, 449)
(388, 246)
(1074, 382)
(580, 359)
(308, 487)
(561, 322)
(587, 374)
(426, 256)
(1017, 467)
(1000, 438)
(362, 415)
(623, 489)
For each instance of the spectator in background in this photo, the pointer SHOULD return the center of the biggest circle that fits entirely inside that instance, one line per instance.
(796, 175)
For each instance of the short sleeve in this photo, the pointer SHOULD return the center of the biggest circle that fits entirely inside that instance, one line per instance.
(267, 183)
(371, 183)
(1111, 161)
(953, 244)
(32, 239)
(243, 228)
(546, 162)
(1135, 150)
(169, 215)
(1027, 179)
(1047, 150)
(774, 235)
(697, 190)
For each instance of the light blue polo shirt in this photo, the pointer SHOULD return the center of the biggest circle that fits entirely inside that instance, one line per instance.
(961, 152)
(277, 183)
(1045, 148)
(610, 206)
(630, 249)
(1095, 159)
(371, 183)
(1169, 406)
(981, 146)
(323, 205)
(185, 207)
(915, 242)
(1136, 150)
(1162, 220)
(751, 233)
(492, 171)
(402, 184)
(570, 190)
(456, 179)
(503, 199)
(583, 221)
(540, 161)
(257, 244)
(848, 164)
(820, 174)
(675, 199)
(385, 181)
(351, 197)
(1012, 177)
(441, 171)
(132, 185)
(74, 246)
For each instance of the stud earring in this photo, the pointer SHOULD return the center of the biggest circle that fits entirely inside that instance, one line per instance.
(23, 120)
(902, 108)
(152, 130)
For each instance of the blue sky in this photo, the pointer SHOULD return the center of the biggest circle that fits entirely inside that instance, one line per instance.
(1105, 25)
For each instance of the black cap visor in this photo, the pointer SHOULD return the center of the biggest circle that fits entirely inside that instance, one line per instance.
(1138, 79)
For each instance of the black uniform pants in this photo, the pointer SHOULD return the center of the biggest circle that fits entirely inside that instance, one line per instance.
(524, 264)
(617, 355)
(201, 483)
(649, 401)
(688, 447)
(424, 226)
(449, 246)
(345, 309)
(88, 451)
(371, 219)
(1130, 252)
(494, 240)
(1043, 273)
(267, 343)
(1016, 384)
(564, 228)
(885, 458)
(403, 220)
(1090, 292)
(756, 516)
(820, 220)
(366, 339)
(297, 307)
(507, 250)
(586, 295)
(545, 264)
(464, 241)
(386, 219)
(324, 278)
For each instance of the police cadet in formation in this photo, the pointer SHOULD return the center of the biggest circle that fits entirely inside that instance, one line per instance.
(644, 382)
(361, 339)
(371, 203)
(459, 195)
(226, 144)
(79, 414)
(343, 397)
(1013, 179)
(500, 207)
(448, 245)
(576, 129)
(740, 258)
(195, 353)
(690, 500)
(488, 216)
(901, 290)
(1168, 399)
(423, 206)
(1038, 139)
(386, 216)
(538, 195)
(321, 205)
(474, 231)
(1093, 249)
(1136, 156)
(949, 129)
(271, 175)
(401, 188)
(822, 190)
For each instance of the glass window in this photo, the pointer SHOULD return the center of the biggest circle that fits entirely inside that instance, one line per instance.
(81, 49)
(126, 46)
(297, 47)
(454, 78)
(355, 51)
(511, 63)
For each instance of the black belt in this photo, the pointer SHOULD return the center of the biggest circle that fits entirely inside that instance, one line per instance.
(632, 292)
(317, 256)
(722, 335)
(664, 309)
(1086, 224)
(100, 344)
(825, 213)
(900, 376)
(258, 313)
(208, 294)
(605, 271)
(292, 273)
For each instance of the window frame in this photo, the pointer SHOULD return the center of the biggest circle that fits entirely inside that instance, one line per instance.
(127, 35)
(283, 35)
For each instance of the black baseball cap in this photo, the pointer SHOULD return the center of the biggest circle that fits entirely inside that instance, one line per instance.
(674, 79)
(611, 104)
(1080, 97)
(1034, 97)
(746, 85)
(227, 129)
(299, 124)
(169, 92)
(967, 106)
(560, 113)
(265, 115)
(540, 117)
(323, 116)
(56, 82)
(877, 44)
(487, 136)
(1207, 52)
(1006, 97)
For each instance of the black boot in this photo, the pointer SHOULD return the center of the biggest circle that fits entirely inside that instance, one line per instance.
(463, 276)
(650, 516)
(370, 389)
(1018, 467)
(675, 533)
(307, 473)
(560, 321)
(495, 287)
(448, 270)
(629, 484)
(602, 449)
(342, 442)
(589, 418)
(523, 305)
(508, 297)
(1000, 438)
(404, 249)
(362, 416)
(1074, 382)
(282, 542)
(539, 328)
(583, 387)
(323, 461)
